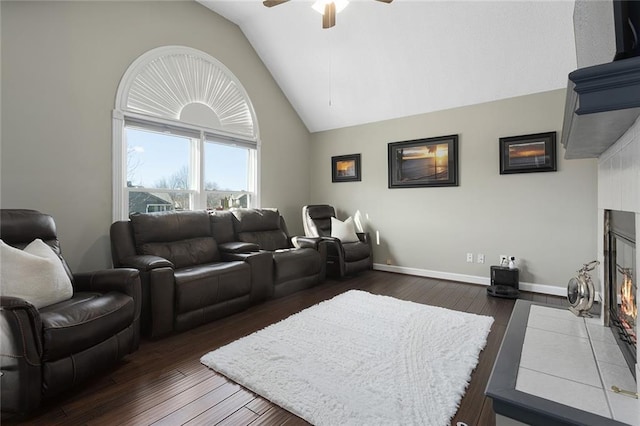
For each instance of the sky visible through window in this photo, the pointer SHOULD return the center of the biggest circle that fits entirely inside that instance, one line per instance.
(152, 157)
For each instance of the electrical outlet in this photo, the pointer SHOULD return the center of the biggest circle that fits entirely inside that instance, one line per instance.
(389, 262)
(470, 257)
(504, 260)
(480, 258)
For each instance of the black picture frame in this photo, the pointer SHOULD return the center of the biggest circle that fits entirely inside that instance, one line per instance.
(428, 162)
(346, 168)
(528, 153)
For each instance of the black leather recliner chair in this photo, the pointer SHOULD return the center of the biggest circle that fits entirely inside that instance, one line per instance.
(342, 258)
(49, 350)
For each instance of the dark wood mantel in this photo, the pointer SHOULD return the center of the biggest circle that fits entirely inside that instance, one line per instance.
(603, 101)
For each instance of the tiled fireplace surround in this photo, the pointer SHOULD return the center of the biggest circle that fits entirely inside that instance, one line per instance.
(619, 188)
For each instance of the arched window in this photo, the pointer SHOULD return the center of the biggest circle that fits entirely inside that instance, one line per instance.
(185, 136)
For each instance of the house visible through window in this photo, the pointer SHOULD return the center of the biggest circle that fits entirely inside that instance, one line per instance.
(228, 172)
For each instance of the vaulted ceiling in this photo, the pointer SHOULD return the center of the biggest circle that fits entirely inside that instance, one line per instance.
(384, 61)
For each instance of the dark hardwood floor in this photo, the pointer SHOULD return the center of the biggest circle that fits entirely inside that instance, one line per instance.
(164, 382)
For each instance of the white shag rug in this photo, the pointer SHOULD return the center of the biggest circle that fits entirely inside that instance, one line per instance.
(360, 359)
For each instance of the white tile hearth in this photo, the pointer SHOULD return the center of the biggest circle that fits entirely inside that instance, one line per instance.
(566, 326)
(624, 409)
(559, 355)
(616, 375)
(538, 311)
(600, 333)
(575, 362)
(608, 352)
(567, 392)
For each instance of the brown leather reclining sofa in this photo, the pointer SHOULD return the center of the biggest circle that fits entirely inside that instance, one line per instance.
(194, 267)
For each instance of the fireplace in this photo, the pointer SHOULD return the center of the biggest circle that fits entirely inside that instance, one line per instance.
(621, 282)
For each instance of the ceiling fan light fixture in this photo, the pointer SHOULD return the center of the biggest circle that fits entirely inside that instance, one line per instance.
(319, 5)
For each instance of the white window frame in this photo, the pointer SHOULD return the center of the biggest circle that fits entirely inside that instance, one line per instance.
(156, 102)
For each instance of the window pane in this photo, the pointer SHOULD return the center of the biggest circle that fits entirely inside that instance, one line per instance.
(222, 200)
(149, 202)
(226, 168)
(157, 160)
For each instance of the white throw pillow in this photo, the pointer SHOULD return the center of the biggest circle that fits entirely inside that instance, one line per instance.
(344, 231)
(34, 274)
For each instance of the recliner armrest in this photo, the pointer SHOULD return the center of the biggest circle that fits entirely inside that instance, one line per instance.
(332, 240)
(238, 247)
(306, 242)
(157, 292)
(334, 248)
(261, 264)
(124, 280)
(15, 305)
(146, 262)
(11, 302)
(364, 237)
(20, 358)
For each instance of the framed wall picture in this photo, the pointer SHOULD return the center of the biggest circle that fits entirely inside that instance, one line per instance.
(345, 168)
(528, 153)
(424, 162)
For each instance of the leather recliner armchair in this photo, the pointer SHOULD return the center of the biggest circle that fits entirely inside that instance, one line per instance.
(342, 258)
(49, 350)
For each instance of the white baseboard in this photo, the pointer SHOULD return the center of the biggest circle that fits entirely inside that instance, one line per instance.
(472, 279)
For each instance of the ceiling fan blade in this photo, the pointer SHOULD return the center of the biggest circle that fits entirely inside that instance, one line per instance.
(385, 1)
(271, 3)
(329, 17)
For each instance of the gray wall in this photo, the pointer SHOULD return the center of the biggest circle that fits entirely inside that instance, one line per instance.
(546, 220)
(61, 65)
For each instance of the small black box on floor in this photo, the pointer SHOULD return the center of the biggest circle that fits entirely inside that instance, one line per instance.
(504, 282)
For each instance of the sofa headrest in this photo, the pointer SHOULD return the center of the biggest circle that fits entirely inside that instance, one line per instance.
(256, 220)
(320, 211)
(184, 237)
(19, 227)
(316, 220)
(222, 226)
(169, 226)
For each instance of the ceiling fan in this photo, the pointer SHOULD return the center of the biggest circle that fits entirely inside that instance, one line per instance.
(329, 12)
